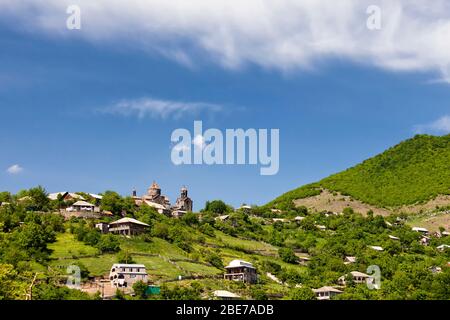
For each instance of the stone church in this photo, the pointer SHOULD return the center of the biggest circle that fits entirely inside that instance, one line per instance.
(161, 203)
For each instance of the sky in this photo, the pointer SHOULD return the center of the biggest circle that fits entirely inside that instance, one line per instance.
(93, 109)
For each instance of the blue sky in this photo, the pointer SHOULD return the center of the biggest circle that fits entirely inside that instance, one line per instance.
(55, 93)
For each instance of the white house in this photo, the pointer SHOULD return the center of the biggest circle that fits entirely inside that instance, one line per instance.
(125, 275)
(239, 270)
(82, 206)
(326, 293)
(225, 295)
(376, 248)
(358, 277)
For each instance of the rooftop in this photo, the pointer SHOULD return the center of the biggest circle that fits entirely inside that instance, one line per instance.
(240, 263)
(129, 220)
(225, 294)
(83, 204)
(327, 289)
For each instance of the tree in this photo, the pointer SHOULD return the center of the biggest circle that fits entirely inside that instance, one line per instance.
(10, 287)
(140, 289)
(5, 197)
(33, 238)
(125, 257)
(287, 255)
(302, 294)
(39, 198)
(108, 243)
(216, 206)
(112, 201)
(259, 293)
(160, 230)
(215, 260)
(190, 219)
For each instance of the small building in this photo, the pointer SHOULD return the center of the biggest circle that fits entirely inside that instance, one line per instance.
(425, 240)
(103, 227)
(225, 295)
(358, 278)
(239, 270)
(128, 227)
(326, 293)
(160, 208)
(303, 260)
(65, 196)
(393, 237)
(81, 206)
(420, 229)
(435, 269)
(178, 213)
(279, 220)
(376, 248)
(443, 247)
(96, 196)
(349, 260)
(125, 275)
(222, 217)
(299, 218)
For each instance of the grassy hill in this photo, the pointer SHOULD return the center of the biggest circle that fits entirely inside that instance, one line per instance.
(414, 171)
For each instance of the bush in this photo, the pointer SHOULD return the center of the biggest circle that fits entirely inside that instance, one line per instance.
(207, 229)
(108, 243)
(140, 289)
(215, 260)
(302, 294)
(125, 257)
(287, 255)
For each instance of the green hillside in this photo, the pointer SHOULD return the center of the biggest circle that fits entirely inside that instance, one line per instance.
(415, 170)
(186, 256)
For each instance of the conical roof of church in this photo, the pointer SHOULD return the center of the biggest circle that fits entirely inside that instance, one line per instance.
(154, 185)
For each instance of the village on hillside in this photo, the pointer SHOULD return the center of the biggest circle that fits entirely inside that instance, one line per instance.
(146, 243)
(124, 275)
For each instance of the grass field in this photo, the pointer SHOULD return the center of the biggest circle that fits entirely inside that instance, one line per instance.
(166, 262)
(66, 246)
(431, 221)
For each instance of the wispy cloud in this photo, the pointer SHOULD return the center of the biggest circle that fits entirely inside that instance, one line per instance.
(439, 126)
(282, 34)
(199, 141)
(157, 108)
(14, 169)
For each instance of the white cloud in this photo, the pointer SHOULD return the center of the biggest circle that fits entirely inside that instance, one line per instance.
(157, 108)
(198, 141)
(439, 126)
(14, 169)
(281, 34)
